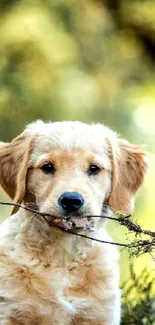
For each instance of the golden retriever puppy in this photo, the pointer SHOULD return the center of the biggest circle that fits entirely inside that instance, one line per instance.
(68, 170)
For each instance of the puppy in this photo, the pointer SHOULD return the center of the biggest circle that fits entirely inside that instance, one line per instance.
(67, 171)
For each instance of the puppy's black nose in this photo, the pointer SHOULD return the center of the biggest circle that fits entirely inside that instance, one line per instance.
(71, 201)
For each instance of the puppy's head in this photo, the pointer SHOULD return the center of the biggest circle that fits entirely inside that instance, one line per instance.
(71, 169)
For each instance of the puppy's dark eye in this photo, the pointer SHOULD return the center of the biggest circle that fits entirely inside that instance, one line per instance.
(48, 168)
(93, 169)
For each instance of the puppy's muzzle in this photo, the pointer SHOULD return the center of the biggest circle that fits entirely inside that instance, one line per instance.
(71, 203)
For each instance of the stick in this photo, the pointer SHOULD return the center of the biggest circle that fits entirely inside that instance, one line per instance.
(145, 245)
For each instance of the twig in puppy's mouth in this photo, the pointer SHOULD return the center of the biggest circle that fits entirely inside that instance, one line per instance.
(82, 222)
(73, 223)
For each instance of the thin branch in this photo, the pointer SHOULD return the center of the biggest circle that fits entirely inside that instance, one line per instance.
(140, 246)
(18, 205)
(99, 240)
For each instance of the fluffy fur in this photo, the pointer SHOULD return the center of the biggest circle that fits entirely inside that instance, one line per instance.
(48, 277)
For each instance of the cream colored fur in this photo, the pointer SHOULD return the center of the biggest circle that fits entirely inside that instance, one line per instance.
(48, 277)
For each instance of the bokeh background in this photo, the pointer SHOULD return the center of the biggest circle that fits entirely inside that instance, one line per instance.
(87, 60)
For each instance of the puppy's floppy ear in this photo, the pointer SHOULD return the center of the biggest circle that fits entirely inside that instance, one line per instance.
(129, 167)
(14, 160)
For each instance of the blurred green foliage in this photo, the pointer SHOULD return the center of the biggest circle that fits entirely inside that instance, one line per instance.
(91, 60)
(138, 301)
(68, 59)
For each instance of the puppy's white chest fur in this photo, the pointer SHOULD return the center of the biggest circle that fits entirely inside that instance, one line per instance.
(57, 271)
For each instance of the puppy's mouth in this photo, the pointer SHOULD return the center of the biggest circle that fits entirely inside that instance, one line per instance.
(72, 223)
